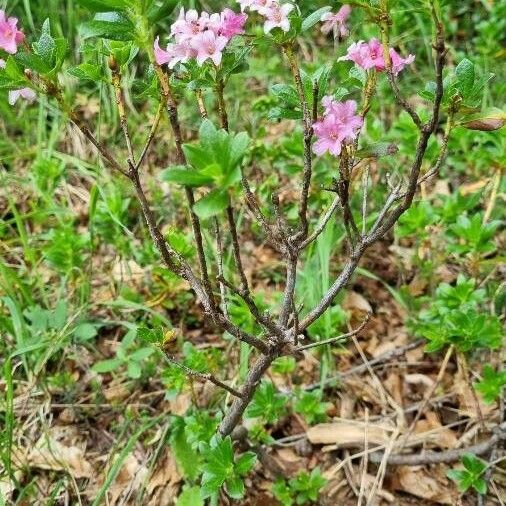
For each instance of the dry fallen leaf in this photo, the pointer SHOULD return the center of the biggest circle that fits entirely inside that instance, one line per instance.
(55, 456)
(347, 434)
(418, 482)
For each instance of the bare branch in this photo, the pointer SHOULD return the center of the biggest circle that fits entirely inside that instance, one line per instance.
(322, 224)
(338, 338)
(308, 136)
(336, 287)
(181, 159)
(219, 247)
(104, 152)
(152, 133)
(233, 415)
(261, 318)
(120, 104)
(203, 376)
(236, 248)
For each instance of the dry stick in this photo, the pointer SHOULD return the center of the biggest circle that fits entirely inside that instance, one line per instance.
(428, 395)
(333, 339)
(445, 457)
(203, 376)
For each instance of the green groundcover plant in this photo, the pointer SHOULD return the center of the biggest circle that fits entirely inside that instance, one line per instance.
(200, 56)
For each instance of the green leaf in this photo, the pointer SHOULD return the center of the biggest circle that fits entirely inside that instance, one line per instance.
(314, 18)
(109, 25)
(465, 77)
(85, 332)
(245, 463)
(490, 387)
(34, 62)
(109, 365)
(480, 485)
(219, 465)
(141, 354)
(186, 177)
(87, 72)
(158, 13)
(134, 370)
(103, 5)
(473, 464)
(190, 497)
(196, 155)
(235, 487)
(187, 459)
(212, 204)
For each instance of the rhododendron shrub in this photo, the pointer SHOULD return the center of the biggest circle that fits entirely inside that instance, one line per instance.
(191, 57)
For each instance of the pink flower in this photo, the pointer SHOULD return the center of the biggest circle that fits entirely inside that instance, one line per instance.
(228, 23)
(209, 46)
(161, 56)
(175, 53)
(27, 93)
(189, 25)
(398, 62)
(370, 55)
(340, 125)
(253, 4)
(367, 55)
(277, 16)
(336, 22)
(262, 5)
(10, 36)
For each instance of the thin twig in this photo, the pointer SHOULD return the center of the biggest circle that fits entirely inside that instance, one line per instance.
(152, 133)
(428, 395)
(308, 136)
(219, 248)
(204, 376)
(120, 104)
(338, 338)
(445, 457)
(322, 223)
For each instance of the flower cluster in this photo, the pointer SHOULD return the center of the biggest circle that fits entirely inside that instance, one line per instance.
(370, 55)
(275, 14)
(202, 37)
(336, 22)
(10, 36)
(340, 125)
